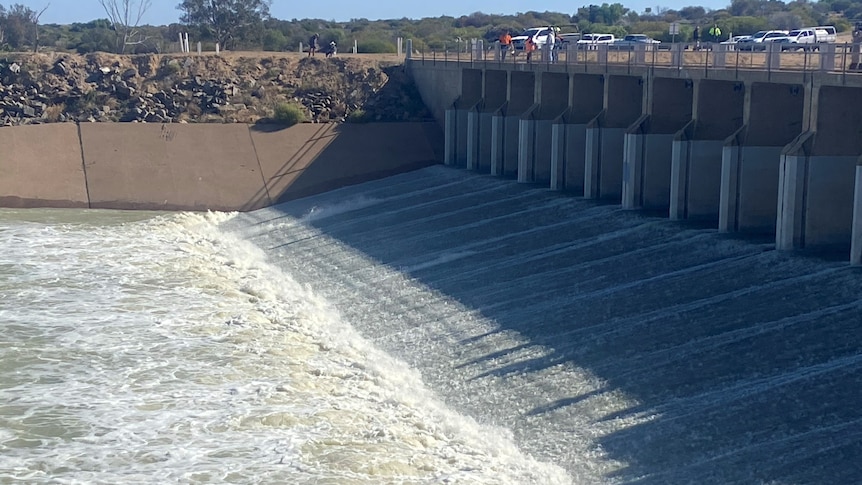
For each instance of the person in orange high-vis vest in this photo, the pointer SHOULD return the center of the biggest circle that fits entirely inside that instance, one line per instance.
(505, 44)
(529, 47)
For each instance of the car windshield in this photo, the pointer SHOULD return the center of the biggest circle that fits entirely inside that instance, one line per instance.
(531, 32)
(759, 34)
(587, 37)
(794, 33)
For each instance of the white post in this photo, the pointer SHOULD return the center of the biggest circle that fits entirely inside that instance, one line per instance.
(300, 47)
(199, 47)
(355, 47)
(217, 48)
(181, 42)
(400, 50)
(187, 43)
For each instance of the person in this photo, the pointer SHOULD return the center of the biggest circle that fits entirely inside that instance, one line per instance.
(695, 36)
(529, 47)
(333, 48)
(550, 44)
(312, 44)
(505, 44)
(715, 33)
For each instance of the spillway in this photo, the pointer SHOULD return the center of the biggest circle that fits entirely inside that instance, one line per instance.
(622, 347)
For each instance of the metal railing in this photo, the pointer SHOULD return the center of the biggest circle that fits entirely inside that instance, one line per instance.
(835, 58)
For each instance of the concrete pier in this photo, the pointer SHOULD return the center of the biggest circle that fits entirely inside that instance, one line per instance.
(569, 132)
(698, 149)
(817, 182)
(536, 127)
(458, 130)
(605, 135)
(495, 92)
(648, 146)
(522, 99)
(751, 157)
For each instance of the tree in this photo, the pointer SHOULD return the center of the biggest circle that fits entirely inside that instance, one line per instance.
(227, 21)
(20, 26)
(125, 17)
(2, 24)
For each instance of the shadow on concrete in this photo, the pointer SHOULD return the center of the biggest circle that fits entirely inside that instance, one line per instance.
(743, 364)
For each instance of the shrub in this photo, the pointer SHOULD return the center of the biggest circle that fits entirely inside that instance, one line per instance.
(289, 114)
(357, 116)
(375, 46)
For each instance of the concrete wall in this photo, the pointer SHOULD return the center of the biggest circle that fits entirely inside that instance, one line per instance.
(201, 166)
(27, 181)
(670, 105)
(718, 108)
(438, 84)
(496, 90)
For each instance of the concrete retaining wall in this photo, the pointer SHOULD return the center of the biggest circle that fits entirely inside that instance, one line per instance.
(27, 182)
(201, 166)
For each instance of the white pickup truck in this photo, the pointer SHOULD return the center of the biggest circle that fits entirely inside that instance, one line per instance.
(592, 41)
(809, 38)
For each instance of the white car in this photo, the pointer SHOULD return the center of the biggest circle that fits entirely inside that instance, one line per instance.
(539, 35)
(758, 40)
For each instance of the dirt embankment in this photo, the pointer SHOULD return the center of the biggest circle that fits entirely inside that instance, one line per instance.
(244, 88)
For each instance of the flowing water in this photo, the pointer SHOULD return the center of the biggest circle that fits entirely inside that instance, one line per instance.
(154, 348)
(432, 327)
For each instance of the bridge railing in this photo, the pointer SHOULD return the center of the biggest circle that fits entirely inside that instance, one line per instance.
(841, 58)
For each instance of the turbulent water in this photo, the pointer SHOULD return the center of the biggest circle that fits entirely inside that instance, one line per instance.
(432, 327)
(146, 348)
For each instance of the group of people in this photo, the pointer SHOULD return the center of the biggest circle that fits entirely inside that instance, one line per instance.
(530, 44)
(314, 44)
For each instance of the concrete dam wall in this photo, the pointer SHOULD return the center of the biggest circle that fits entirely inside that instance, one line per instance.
(200, 166)
(772, 154)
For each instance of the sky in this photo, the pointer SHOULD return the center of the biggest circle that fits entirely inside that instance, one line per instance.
(164, 12)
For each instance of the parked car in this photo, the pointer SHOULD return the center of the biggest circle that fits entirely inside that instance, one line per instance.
(568, 38)
(632, 40)
(758, 41)
(592, 41)
(809, 38)
(539, 35)
(731, 43)
(597, 39)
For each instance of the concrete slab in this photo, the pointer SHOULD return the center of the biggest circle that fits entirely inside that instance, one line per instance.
(749, 189)
(172, 167)
(695, 179)
(308, 159)
(485, 139)
(42, 166)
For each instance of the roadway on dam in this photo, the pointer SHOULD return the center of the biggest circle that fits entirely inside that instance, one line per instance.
(622, 347)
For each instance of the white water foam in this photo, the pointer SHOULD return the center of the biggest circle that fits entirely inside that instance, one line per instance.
(165, 351)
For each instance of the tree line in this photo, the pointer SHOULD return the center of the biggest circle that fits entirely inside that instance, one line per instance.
(248, 25)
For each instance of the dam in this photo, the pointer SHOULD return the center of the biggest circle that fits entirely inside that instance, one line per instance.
(583, 258)
(624, 348)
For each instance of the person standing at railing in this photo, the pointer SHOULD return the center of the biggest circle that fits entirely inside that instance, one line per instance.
(505, 44)
(550, 44)
(529, 47)
(695, 36)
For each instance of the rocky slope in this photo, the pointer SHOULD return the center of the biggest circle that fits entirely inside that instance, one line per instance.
(40, 88)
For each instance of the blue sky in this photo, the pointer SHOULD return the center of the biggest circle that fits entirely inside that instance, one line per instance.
(165, 12)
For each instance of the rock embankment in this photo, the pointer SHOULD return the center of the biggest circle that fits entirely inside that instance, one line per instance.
(42, 88)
